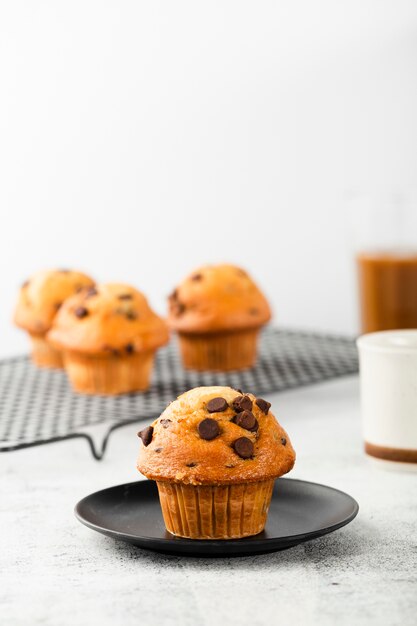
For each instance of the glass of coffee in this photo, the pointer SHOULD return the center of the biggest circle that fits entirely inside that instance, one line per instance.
(386, 259)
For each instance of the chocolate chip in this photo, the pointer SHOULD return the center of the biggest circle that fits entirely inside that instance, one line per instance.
(57, 305)
(240, 391)
(217, 405)
(125, 296)
(243, 447)
(131, 315)
(242, 403)
(81, 312)
(208, 429)
(165, 422)
(157, 449)
(196, 277)
(247, 420)
(253, 311)
(90, 292)
(283, 441)
(130, 348)
(192, 464)
(177, 307)
(146, 435)
(263, 405)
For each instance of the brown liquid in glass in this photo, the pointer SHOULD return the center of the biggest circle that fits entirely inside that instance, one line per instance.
(388, 290)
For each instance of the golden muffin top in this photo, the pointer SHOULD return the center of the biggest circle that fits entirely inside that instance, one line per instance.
(42, 295)
(215, 298)
(215, 435)
(112, 319)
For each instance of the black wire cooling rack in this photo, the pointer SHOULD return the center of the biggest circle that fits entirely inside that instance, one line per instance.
(37, 406)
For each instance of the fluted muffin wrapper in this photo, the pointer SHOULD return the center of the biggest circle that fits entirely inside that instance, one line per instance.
(44, 354)
(109, 375)
(215, 511)
(223, 351)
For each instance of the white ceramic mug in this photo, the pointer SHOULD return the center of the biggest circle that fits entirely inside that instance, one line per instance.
(388, 378)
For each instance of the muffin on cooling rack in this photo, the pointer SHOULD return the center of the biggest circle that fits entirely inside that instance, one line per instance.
(108, 335)
(215, 454)
(218, 312)
(40, 298)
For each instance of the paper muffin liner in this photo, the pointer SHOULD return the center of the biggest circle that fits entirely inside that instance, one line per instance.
(224, 351)
(44, 354)
(109, 375)
(215, 511)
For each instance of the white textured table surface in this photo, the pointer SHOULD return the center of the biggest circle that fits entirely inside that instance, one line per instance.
(55, 571)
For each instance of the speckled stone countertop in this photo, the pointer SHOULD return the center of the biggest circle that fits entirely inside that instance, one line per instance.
(55, 571)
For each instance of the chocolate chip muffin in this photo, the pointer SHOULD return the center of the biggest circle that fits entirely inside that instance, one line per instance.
(108, 335)
(40, 298)
(218, 312)
(215, 454)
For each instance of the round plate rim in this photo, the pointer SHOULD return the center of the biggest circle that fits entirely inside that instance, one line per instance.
(254, 543)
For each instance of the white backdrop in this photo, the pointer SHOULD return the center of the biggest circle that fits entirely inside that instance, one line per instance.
(140, 139)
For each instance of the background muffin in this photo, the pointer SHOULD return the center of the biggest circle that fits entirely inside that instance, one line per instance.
(218, 311)
(108, 335)
(215, 454)
(40, 298)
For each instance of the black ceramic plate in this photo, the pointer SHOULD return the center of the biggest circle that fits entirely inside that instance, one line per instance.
(299, 511)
